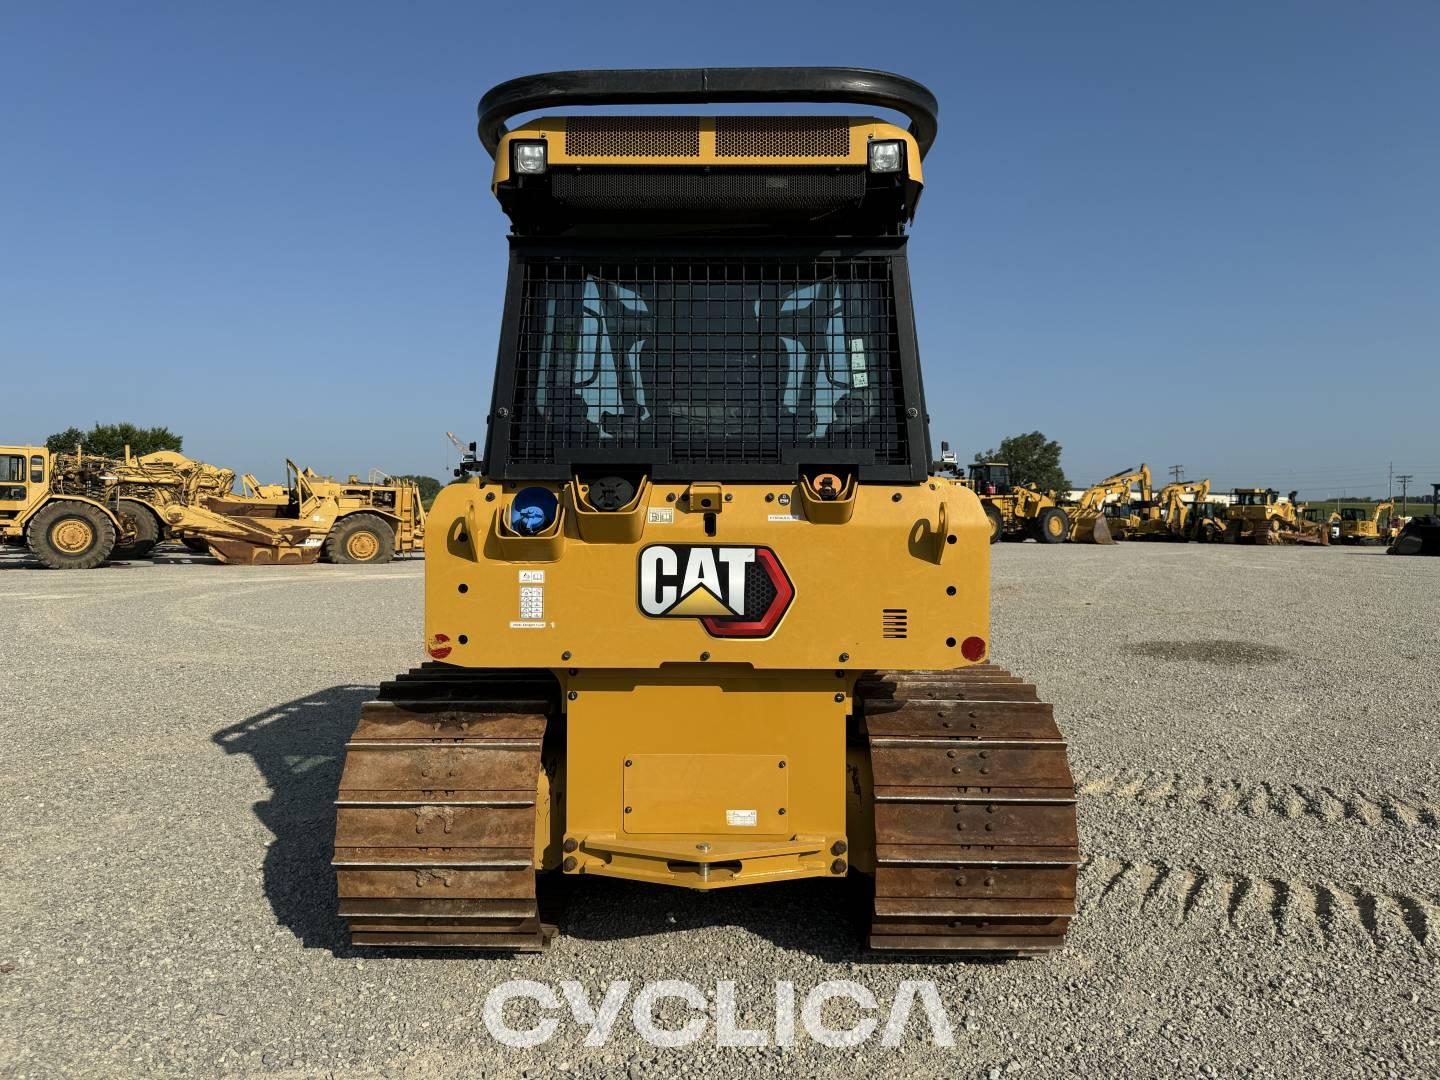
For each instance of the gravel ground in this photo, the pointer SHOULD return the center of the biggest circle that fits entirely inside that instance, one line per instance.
(1253, 733)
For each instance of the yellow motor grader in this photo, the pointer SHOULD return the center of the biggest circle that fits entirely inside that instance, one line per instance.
(703, 616)
(311, 517)
(1261, 516)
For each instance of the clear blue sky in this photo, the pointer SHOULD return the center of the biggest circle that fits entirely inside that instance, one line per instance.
(1205, 234)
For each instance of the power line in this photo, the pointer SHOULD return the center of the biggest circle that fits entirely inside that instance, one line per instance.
(1177, 473)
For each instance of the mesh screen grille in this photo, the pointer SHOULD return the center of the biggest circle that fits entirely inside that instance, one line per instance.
(809, 193)
(728, 360)
(782, 136)
(632, 136)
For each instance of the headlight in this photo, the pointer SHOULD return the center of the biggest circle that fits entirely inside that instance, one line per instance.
(529, 157)
(886, 155)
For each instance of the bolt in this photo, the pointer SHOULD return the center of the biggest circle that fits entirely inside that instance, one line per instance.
(949, 753)
(565, 655)
(844, 658)
(912, 412)
(628, 763)
(704, 656)
(989, 881)
(839, 697)
(769, 496)
(573, 694)
(782, 811)
(839, 847)
(670, 497)
(728, 496)
(569, 864)
(957, 769)
(503, 412)
(838, 866)
(490, 496)
(571, 844)
(896, 497)
(960, 880)
(782, 764)
(628, 809)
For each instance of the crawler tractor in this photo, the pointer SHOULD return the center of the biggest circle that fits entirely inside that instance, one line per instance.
(1260, 516)
(703, 616)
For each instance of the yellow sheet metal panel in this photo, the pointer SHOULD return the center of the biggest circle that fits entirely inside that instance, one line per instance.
(784, 141)
(720, 794)
(705, 742)
(902, 584)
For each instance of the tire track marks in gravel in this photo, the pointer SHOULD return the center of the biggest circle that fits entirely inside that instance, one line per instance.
(1275, 907)
(1261, 799)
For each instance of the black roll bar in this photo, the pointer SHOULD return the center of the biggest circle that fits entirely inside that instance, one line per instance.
(675, 86)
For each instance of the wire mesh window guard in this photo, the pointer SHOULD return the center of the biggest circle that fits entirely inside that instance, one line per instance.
(714, 361)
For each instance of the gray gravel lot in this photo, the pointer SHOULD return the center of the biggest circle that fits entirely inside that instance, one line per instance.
(1253, 732)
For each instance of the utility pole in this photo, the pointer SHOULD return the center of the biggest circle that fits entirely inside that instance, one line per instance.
(1177, 472)
(1435, 499)
(1405, 479)
(1391, 496)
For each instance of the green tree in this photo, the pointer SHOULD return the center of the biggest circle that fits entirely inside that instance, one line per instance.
(110, 440)
(1033, 459)
(63, 442)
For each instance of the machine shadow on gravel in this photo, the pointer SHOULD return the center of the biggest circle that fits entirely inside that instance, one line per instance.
(299, 748)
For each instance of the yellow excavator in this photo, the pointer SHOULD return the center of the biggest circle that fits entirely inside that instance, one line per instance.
(703, 616)
(1169, 517)
(1361, 525)
(1093, 519)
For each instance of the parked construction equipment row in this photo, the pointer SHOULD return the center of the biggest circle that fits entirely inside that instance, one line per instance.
(76, 510)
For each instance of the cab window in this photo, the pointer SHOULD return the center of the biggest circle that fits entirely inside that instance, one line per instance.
(37, 469)
(12, 469)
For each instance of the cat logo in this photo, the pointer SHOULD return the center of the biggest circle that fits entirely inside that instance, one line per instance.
(733, 591)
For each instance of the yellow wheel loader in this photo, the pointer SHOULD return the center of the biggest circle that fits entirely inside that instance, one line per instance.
(1016, 512)
(703, 616)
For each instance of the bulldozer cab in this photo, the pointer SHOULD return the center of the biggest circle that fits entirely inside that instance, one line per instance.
(990, 478)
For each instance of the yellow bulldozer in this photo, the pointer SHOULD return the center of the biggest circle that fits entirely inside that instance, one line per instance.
(1261, 516)
(63, 507)
(310, 517)
(1016, 512)
(703, 616)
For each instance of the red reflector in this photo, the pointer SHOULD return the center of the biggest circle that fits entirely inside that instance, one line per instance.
(438, 646)
(973, 648)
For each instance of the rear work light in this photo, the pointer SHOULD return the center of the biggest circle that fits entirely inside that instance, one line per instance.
(886, 155)
(529, 157)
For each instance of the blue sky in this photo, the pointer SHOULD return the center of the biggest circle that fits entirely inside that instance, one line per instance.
(1205, 234)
